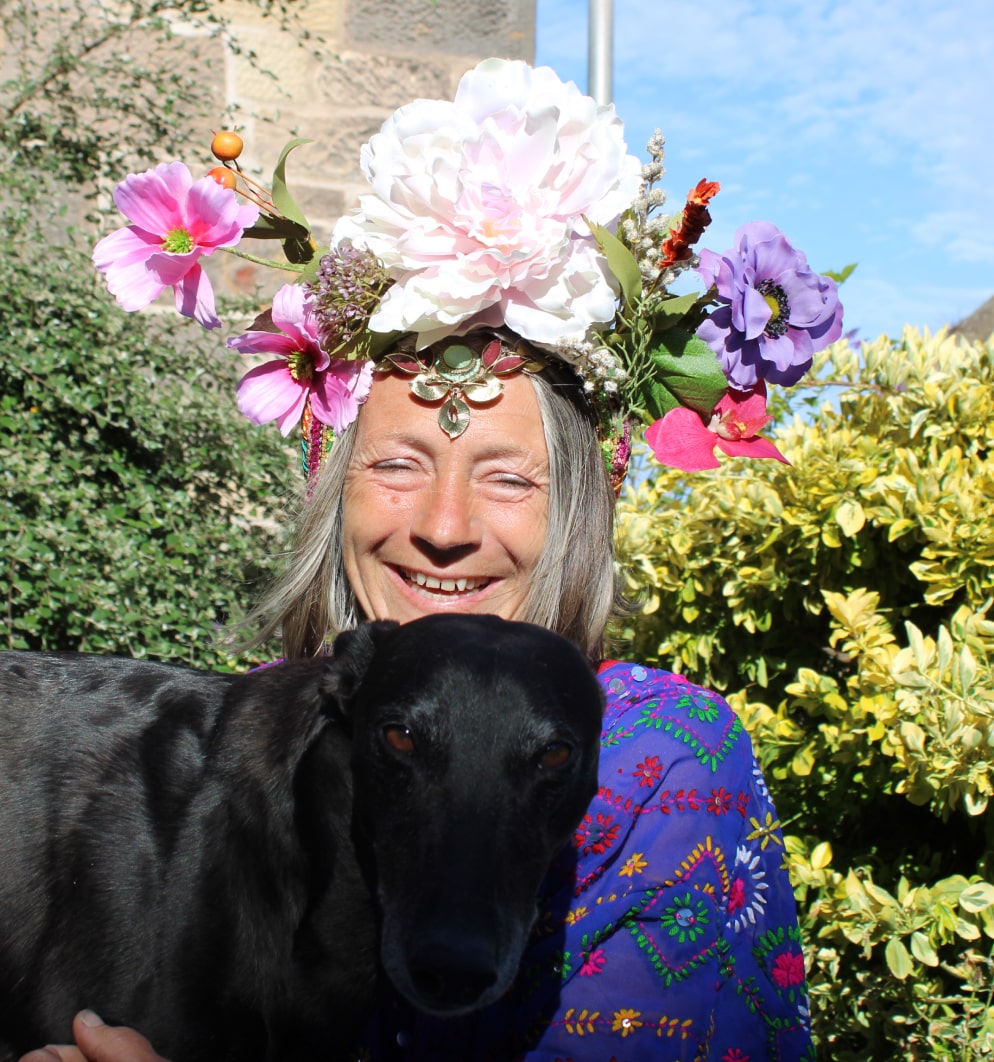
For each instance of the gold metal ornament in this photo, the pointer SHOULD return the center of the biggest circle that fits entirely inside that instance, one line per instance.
(459, 376)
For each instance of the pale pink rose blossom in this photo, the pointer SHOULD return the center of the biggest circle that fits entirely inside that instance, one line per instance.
(477, 207)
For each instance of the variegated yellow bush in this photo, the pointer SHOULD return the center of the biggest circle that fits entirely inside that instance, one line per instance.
(844, 604)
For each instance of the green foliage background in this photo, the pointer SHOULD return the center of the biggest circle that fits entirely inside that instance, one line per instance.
(136, 504)
(842, 604)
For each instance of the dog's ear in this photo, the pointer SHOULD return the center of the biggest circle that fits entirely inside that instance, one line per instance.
(351, 654)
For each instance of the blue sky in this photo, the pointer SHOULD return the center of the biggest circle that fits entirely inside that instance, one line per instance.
(864, 129)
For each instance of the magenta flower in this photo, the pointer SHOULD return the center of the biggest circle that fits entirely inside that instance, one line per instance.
(682, 440)
(280, 389)
(776, 311)
(176, 221)
(788, 969)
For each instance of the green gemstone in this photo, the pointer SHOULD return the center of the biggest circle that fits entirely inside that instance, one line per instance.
(458, 357)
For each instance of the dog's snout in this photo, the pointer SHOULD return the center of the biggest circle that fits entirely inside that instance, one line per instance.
(452, 974)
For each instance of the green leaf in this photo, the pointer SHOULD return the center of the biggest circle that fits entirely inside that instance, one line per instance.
(620, 261)
(270, 228)
(367, 344)
(850, 517)
(670, 311)
(977, 897)
(841, 276)
(686, 373)
(898, 959)
(922, 949)
(285, 202)
(298, 246)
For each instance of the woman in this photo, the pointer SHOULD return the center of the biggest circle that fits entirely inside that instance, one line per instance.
(476, 473)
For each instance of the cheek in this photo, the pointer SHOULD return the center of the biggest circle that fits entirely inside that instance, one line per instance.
(522, 530)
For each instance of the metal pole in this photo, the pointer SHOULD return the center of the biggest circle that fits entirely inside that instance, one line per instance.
(600, 49)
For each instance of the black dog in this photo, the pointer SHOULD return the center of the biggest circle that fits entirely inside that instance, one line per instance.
(218, 861)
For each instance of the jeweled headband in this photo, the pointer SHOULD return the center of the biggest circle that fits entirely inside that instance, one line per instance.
(514, 206)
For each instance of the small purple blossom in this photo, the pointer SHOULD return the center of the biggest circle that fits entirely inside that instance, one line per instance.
(349, 284)
(775, 313)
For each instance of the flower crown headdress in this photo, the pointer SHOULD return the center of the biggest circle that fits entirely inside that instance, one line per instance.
(515, 207)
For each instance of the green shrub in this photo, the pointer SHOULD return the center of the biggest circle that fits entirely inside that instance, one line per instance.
(135, 503)
(842, 604)
(134, 499)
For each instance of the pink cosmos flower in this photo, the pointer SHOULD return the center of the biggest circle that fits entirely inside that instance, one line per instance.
(682, 440)
(176, 221)
(279, 390)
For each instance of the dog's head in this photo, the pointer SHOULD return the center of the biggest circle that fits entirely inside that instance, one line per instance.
(475, 756)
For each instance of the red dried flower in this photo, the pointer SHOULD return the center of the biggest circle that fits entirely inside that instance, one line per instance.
(676, 247)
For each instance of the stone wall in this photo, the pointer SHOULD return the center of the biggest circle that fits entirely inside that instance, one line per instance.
(334, 77)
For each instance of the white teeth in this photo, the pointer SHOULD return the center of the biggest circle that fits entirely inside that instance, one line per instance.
(429, 582)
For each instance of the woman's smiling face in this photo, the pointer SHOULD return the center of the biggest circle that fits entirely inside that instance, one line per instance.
(433, 524)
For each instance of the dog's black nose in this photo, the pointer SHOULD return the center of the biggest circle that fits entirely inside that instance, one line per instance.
(452, 975)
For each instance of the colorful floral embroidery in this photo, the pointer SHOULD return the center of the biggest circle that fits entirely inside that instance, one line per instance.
(634, 864)
(679, 801)
(768, 830)
(596, 834)
(686, 919)
(584, 1022)
(649, 771)
(699, 706)
(626, 1021)
(788, 969)
(720, 802)
(747, 899)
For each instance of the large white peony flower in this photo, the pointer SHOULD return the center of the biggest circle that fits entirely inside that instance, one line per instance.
(476, 207)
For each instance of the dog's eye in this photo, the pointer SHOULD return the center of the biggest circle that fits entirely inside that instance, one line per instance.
(555, 755)
(399, 738)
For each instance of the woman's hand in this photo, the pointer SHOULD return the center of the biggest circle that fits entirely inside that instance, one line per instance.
(97, 1042)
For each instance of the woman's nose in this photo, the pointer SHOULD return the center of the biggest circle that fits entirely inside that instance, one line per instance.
(444, 519)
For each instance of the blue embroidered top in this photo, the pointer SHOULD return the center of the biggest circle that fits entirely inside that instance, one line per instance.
(669, 930)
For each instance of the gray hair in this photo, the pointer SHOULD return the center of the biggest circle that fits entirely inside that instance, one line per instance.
(573, 589)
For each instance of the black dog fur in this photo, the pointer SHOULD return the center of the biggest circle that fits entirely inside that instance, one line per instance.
(223, 862)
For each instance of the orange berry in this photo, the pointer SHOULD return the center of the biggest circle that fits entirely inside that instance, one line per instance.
(224, 177)
(226, 146)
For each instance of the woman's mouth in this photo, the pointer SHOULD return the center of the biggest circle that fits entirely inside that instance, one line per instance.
(434, 585)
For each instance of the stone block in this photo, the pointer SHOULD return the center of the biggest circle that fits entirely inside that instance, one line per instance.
(475, 28)
(271, 68)
(353, 79)
(334, 154)
(318, 17)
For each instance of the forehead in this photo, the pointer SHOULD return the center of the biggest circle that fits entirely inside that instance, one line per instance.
(513, 421)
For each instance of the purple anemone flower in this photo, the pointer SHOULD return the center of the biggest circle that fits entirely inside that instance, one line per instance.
(776, 311)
